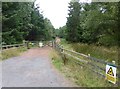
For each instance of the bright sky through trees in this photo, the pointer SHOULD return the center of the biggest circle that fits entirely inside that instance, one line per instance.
(55, 10)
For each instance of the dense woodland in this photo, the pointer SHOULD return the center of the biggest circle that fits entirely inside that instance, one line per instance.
(94, 22)
(24, 21)
(90, 23)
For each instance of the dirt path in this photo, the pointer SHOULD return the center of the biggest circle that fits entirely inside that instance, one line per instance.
(32, 69)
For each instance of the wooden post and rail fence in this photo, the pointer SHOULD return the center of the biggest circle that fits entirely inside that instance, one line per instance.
(95, 65)
(26, 44)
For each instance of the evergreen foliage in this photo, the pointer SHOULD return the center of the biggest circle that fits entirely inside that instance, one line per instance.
(95, 22)
(23, 21)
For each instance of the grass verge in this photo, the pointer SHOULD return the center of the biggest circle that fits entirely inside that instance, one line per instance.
(77, 73)
(80, 73)
(56, 59)
(108, 54)
(105, 53)
(12, 52)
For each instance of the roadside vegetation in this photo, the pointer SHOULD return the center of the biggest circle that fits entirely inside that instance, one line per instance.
(108, 54)
(24, 21)
(16, 51)
(77, 73)
(91, 29)
(12, 52)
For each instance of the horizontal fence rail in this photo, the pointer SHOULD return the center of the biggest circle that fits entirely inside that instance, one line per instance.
(75, 57)
(96, 65)
(27, 44)
(11, 46)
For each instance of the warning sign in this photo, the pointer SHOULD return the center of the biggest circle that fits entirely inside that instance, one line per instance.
(111, 73)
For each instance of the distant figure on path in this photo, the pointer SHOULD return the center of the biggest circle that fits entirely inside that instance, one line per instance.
(40, 44)
(57, 40)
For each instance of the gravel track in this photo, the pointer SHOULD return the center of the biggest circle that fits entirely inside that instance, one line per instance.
(32, 69)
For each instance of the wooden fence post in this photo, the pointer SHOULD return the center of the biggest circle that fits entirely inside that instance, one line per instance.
(28, 45)
(53, 44)
(64, 59)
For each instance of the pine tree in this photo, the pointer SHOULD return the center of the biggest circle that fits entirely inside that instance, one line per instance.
(73, 21)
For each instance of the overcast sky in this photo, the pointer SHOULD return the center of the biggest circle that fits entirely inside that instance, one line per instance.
(55, 10)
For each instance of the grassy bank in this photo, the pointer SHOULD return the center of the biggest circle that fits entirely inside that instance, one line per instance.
(104, 53)
(12, 52)
(80, 73)
(77, 73)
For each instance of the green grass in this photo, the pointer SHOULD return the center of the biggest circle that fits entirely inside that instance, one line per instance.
(77, 73)
(66, 44)
(101, 52)
(12, 52)
(80, 73)
(56, 59)
(106, 53)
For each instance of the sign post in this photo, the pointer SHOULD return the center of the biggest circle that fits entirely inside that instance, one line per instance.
(111, 73)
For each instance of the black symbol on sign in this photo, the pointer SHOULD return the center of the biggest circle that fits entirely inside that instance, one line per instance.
(110, 71)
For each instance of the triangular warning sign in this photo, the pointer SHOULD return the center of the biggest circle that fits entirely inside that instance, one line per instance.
(110, 71)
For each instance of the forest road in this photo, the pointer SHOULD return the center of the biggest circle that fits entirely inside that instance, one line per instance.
(32, 69)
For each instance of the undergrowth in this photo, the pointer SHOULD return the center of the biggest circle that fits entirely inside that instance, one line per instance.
(78, 73)
(108, 54)
(12, 52)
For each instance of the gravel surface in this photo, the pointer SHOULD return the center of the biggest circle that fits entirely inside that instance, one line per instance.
(32, 69)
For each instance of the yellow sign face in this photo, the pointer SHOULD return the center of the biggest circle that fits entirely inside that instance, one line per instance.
(108, 77)
(111, 73)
